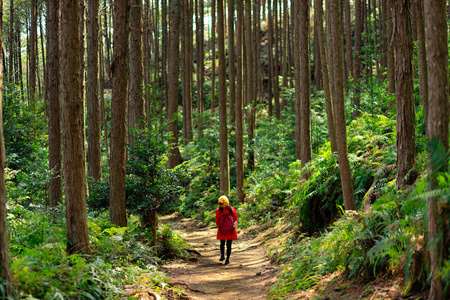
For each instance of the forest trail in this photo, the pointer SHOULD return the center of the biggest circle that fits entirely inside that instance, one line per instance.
(248, 276)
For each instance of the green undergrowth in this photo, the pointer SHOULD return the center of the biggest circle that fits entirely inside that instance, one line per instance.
(120, 258)
(379, 238)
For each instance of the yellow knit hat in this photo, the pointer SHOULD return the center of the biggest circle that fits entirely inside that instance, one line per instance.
(225, 201)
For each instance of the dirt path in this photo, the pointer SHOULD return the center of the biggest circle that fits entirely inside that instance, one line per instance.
(248, 276)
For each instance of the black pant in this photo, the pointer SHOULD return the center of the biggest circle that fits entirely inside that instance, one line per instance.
(222, 248)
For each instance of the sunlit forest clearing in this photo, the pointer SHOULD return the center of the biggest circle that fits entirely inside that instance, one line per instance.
(325, 123)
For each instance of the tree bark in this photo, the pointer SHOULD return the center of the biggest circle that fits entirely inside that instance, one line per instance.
(232, 61)
(404, 94)
(213, 56)
(173, 59)
(305, 82)
(298, 138)
(33, 52)
(54, 103)
(136, 105)
(357, 65)
(5, 271)
(11, 42)
(276, 85)
(318, 12)
(348, 38)
(338, 97)
(423, 68)
(93, 101)
(438, 122)
(73, 129)
(390, 53)
(200, 67)
(239, 103)
(271, 78)
(117, 209)
(223, 130)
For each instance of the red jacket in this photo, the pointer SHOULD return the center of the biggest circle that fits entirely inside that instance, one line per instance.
(219, 215)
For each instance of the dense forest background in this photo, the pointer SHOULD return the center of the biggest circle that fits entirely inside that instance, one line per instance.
(325, 122)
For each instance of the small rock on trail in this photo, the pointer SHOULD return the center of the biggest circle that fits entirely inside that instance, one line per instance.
(248, 276)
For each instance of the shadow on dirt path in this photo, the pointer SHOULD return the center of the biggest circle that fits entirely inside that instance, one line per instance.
(248, 276)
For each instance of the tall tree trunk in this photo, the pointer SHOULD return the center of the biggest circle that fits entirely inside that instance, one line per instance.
(136, 104)
(390, 53)
(232, 61)
(423, 72)
(438, 122)
(276, 85)
(200, 67)
(348, 37)
(305, 82)
(317, 58)
(54, 103)
(404, 94)
(173, 59)
(338, 97)
(117, 209)
(223, 130)
(250, 81)
(5, 271)
(318, 13)
(33, 52)
(73, 126)
(93, 101)
(298, 138)
(357, 65)
(213, 56)
(11, 42)
(271, 79)
(239, 102)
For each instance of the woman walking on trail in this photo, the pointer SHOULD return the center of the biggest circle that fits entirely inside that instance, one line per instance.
(226, 221)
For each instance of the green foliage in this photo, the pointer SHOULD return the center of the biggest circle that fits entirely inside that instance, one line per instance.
(149, 183)
(120, 256)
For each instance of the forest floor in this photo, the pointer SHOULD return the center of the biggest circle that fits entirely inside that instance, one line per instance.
(251, 274)
(248, 276)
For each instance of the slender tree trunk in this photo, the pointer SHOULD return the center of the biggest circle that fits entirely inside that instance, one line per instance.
(298, 137)
(73, 126)
(223, 131)
(305, 83)
(136, 105)
(338, 96)
(213, 56)
(173, 59)
(404, 94)
(239, 103)
(250, 81)
(200, 67)
(348, 37)
(117, 209)
(33, 52)
(318, 13)
(54, 103)
(276, 85)
(271, 78)
(317, 58)
(11, 42)
(357, 65)
(232, 61)
(423, 72)
(390, 53)
(438, 122)
(284, 61)
(5, 271)
(92, 96)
